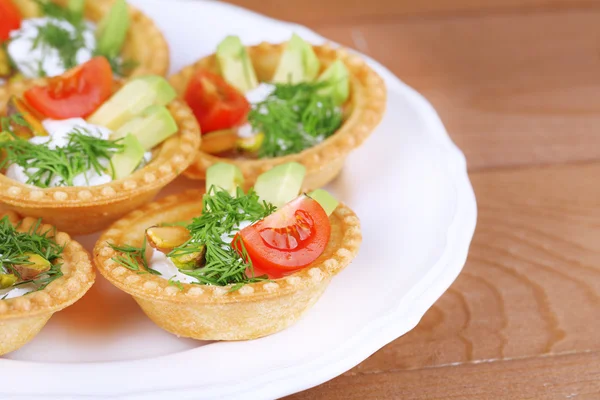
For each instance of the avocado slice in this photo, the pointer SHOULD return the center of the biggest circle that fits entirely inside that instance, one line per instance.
(132, 100)
(112, 30)
(338, 82)
(325, 199)
(154, 126)
(281, 184)
(124, 163)
(7, 280)
(225, 176)
(298, 63)
(236, 66)
(36, 265)
(76, 8)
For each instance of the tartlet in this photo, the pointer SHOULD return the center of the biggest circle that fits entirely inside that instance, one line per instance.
(144, 42)
(215, 312)
(81, 210)
(324, 161)
(21, 318)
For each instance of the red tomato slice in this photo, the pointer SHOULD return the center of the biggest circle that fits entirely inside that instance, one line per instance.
(216, 104)
(287, 240)
(77, 93)
(10, 19)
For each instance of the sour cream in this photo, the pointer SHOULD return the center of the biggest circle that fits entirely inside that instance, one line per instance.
(58, 132)
(33, 61)
(254, 96)
(17, 291)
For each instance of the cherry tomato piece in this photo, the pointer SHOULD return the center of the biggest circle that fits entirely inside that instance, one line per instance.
(216, 104)
(77, 93)
(287, 240)
(10, 19)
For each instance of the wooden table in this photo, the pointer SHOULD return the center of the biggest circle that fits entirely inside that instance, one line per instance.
(517, 83)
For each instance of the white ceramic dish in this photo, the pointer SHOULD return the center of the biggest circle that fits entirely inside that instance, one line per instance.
(409, 186)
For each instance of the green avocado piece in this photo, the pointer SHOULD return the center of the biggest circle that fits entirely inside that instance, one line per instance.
(112, 30)
(225, 176)
(281, 184)
(124, 163)
(325, 199)
(236, 66)
(298, 63)
(75, 8)
(151, 128)
(338, 82)
(132, 100)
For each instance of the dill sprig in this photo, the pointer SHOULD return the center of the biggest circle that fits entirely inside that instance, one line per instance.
(45, 167)
(67, 43)
(294, 117)
(14, 244)
(53, 10)
(133, 258)
(221, 216)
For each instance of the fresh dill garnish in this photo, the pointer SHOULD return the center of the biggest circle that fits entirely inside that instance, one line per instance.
(53, 10)
(294, 117)
(119, 66)
(176, 283)
(45, 166)
(14, 246)
(221, 216)
(66, 42)
(131, 257)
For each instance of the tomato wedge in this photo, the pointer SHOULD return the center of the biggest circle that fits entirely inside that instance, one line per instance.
(287, 240)
(10, 19)
(77, 93)
(216, 104)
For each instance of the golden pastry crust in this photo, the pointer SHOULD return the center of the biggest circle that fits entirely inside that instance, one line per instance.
(80, 210)
(145, 44)
(212, 312)
(21, 318)
(324, 161)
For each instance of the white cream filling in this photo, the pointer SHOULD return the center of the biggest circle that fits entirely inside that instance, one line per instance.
(16, 291)
(163, 264)
(256, 95)
(58, 136)
(33, 61)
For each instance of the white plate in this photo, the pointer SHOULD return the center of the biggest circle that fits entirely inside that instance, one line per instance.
(409, 186)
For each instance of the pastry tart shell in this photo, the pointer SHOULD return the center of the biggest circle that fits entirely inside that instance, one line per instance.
(324, 161)
(21, 318)
(82, 210)
(144, 44)
(213, 312)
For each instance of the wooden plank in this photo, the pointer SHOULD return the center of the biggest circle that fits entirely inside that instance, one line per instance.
(531, 288)
(575, 376)
(319, 12)
(514, 89)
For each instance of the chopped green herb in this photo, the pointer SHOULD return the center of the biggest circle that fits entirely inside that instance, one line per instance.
(44, 166)
(131, 257)
(14, 245)
(176, 283)
(294, 117)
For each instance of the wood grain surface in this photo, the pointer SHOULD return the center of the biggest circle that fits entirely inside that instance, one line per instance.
(517, 83)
